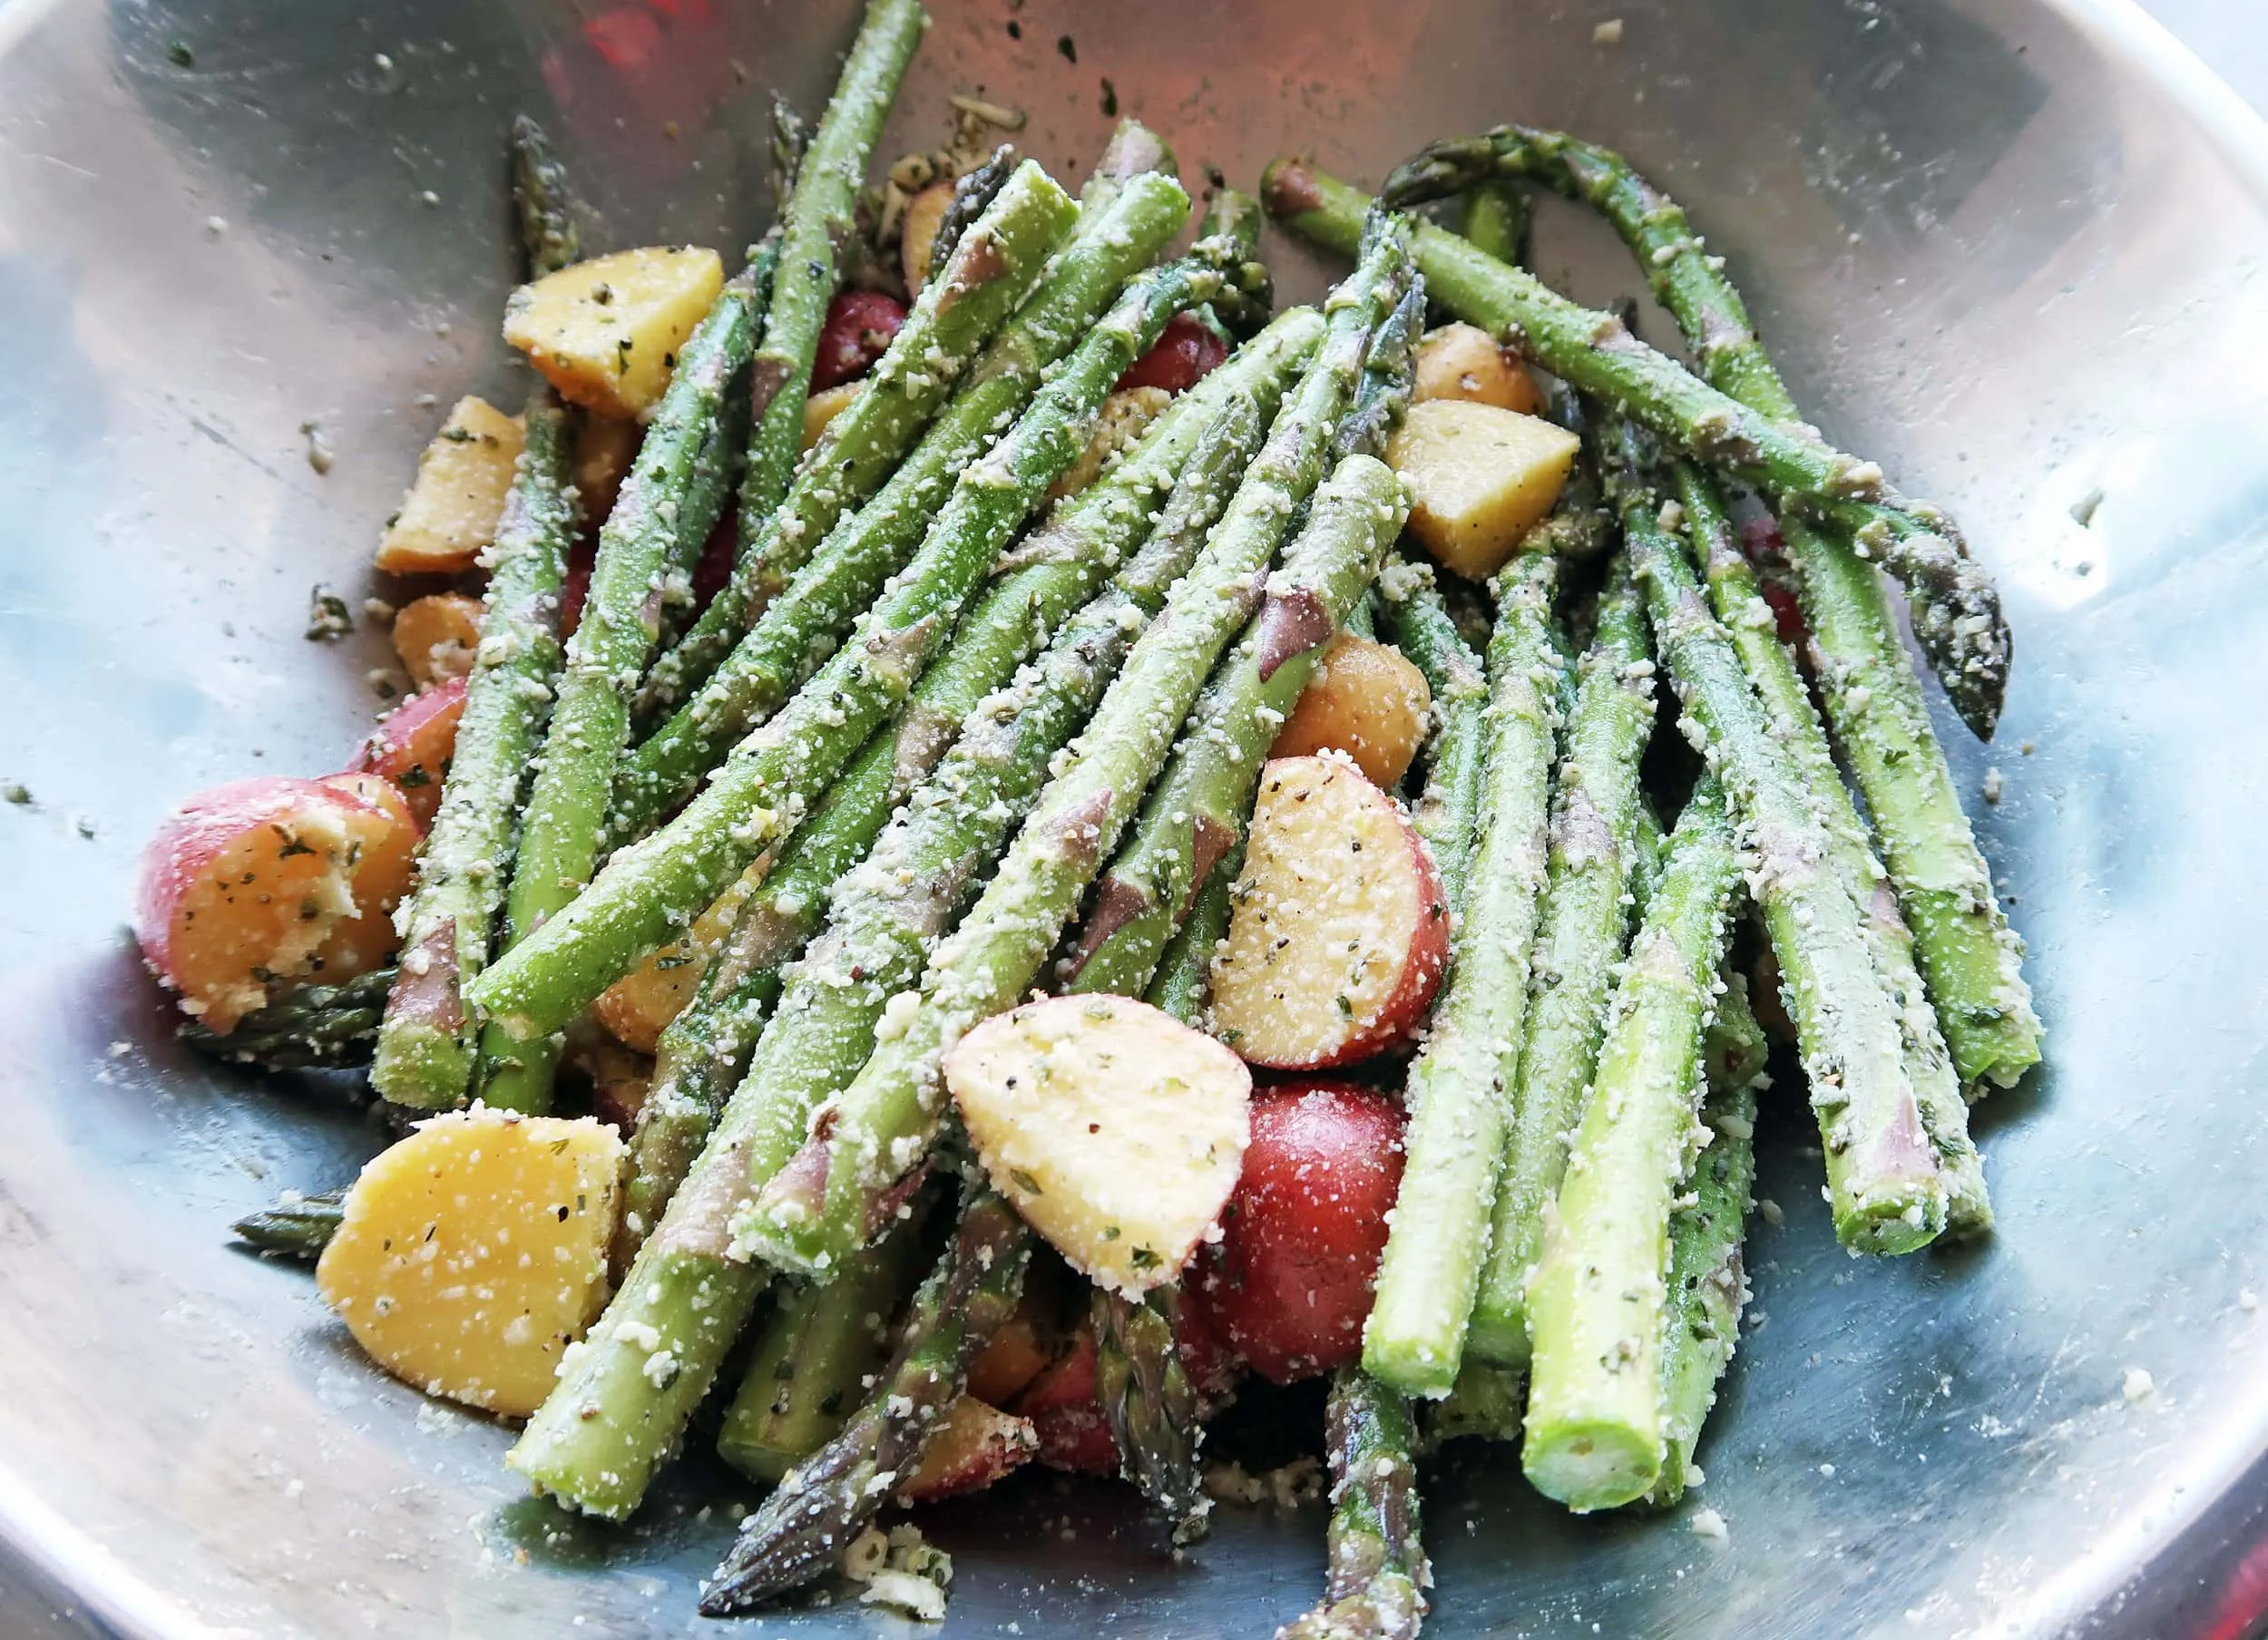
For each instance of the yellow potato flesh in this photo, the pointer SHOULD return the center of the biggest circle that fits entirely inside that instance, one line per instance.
(1116, 1130)
(606, 332)
(474, 1252)
(821, 408)
(437, 636)
(638, 1006)
(451, 510)
(1462, 361)
(1365, 700)
(1479, 478)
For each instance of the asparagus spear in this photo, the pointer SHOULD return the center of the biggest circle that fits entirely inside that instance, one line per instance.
(1597, 1304)
(1583, 925)
(817, 1217)
(315, 1028)
(972, 191)
(1415, 1338)
(1888, 1194)
(1374, 1589)
(1749, 622)
(1185, 968)
(297, 1226)
(797, 630)
(907, 386)
(543, 200)
(1151, 1406)
(1195, 813)
(1036, 589)
(815, 1358)
(1967, 640)
(761, 793)
(425, 1050)
(1965, 948)
(1448, 810)
(681, 1284)
(1707, 1284)
(1497, 220)
(825, 1500)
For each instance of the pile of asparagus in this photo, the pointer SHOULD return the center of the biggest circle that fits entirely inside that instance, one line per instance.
(930, 713)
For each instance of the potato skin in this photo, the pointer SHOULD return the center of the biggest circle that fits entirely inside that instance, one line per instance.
(1366, 700)
(1460, 361)
(1290, 1284)
(413, 744)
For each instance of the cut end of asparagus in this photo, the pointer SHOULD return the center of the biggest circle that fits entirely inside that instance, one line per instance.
(1589, 1465)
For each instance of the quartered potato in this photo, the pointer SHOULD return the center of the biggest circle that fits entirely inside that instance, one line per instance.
(606, 332)
(451, 510)
(1479, 478)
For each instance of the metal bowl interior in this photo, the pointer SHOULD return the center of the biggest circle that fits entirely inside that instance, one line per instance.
(2011, 247)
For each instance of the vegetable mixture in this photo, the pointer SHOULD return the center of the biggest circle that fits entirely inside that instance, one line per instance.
(1015, 838)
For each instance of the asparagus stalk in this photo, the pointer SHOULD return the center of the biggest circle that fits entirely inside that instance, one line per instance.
(1151, 1406)
(297, 1226)
(824, 1501)
(1888, 1191)
(1749, 622)
(1708, 1283)
(1583, 926)
(805, 622)
(1955, 604)
(425, 1050)
(543, 200)
(1497, 220)
(1184, 978)
(1431, 1270)
(815, 1358)
(1965, 948)
(315, 1028)
(972, 191)
(1196, 812)
(817, 1217)
(1647, 859)
(1598, 1300)
(908, 385)
(604, 1459)
(1374, 1588)
(1447, 811)
(764, 791)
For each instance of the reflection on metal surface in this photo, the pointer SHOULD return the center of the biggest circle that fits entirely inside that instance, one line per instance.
(1992, 252)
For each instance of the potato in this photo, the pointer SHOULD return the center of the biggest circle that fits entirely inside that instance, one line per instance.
(380, 873)
(924, 215)
(1479, 478)
(1461, 361)
(821, 408)
(977, 1445)
(1116, 1130)
(638, 1006)
(604, 450)
(1015, 1355)
(413, 744)
(474, 1252)
(1365, 700)
(606, 332)
(1339, 933)
(1122, 419)
(451, 510)
(437, 636)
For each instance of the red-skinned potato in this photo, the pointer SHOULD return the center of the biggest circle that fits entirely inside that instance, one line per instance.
(383, 871)
(1339, 933)
(859, 327)
(1290, 1284)
(1365, 700)
(244, 885)
(1013, 1358)
(412, 744)
(1066, 1417)
(978, 1445)
(1184, 353)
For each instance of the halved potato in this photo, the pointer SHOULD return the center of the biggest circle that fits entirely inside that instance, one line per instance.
(606, 332)
(1365, 700)
(474, 1252)
(1462, 361)
(604, 449)
(451, 510)
(1479, 478)
(437, 636)
(1115, 1129)
(638, 1006)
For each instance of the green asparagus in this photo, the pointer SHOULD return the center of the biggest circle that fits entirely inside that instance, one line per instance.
(1497, 219)
(1888, 1192)
(1459, 1114)
(817, 1217)
(1183, 982)
(1966, 951)
(1707, 1282)
(543, 200)
(315, 1028)
(1375, 1587)
(1447, 811)
(1151, 1406)
(804, 1526)
(798, 629)
(1599, 1302)
(297, 1226)
(1749, 622)
(1595, 353)
(1583, 926)
(425, 1050)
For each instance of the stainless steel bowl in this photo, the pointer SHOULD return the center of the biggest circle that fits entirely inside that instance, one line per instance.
(2014, 247)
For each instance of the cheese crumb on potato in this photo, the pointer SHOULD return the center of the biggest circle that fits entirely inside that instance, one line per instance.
(474, 1252)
